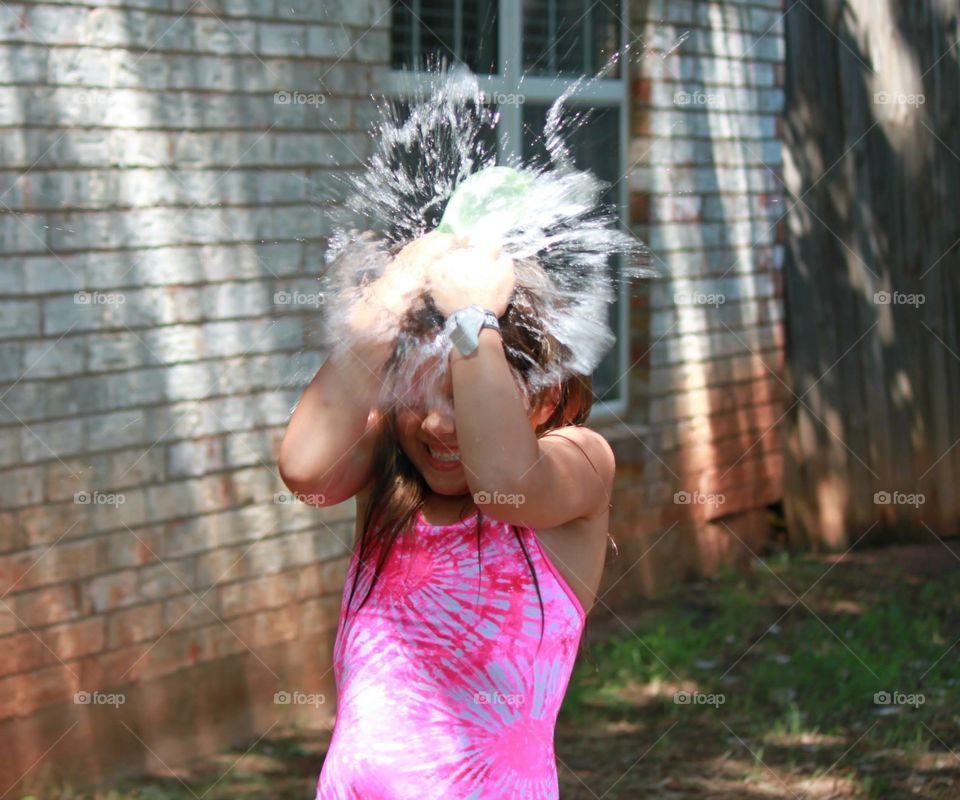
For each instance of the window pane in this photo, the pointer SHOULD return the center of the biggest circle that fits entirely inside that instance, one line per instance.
(455, 30)
(570, 37)
(596, 147)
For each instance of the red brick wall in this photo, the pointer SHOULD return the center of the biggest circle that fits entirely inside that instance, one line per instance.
(144, 549)
(699, 450)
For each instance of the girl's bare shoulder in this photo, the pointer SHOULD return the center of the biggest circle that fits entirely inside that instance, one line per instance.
(599, 454)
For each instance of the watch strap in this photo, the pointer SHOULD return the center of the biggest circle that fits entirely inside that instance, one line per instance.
(463, 327)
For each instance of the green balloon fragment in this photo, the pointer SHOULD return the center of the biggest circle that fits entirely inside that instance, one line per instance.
(488, 198)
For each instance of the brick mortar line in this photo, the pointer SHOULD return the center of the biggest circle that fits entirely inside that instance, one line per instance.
(59, 295)
(155, 406)
(719, 249)
(759, 379)
(323, 528)
(773, 33)
(18, 128)
(164, 206)
(253, 243)
(97, 655)
(77, 210)
(187, 13)
(751, 432)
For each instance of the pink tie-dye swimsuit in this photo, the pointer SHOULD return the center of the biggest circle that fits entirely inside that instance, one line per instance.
(441, 689)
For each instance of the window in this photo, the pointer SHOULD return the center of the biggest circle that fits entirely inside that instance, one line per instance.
(462, 30)
(568, 37)
(555, 41)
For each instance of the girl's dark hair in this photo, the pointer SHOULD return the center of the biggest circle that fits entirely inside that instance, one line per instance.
(398, 490)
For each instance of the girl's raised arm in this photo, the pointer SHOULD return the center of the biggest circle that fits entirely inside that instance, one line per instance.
(514, 476)
(327, 450)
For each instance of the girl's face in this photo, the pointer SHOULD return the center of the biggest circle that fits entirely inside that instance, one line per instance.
(428, 435)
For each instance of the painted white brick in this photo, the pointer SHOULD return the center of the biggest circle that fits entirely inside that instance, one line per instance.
(19, 318)
(11, 361)
(283, 40)
(51, 440)
(52, 358)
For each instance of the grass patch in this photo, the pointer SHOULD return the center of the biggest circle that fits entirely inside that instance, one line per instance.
(785, 667)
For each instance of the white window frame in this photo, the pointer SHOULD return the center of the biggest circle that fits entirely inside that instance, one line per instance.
(540, 89)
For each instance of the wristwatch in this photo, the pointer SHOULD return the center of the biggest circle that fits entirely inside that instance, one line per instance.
(464, 325)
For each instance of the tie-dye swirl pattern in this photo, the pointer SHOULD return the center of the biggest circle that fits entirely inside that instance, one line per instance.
(444, 689)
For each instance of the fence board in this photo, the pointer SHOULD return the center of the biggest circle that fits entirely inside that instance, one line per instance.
(873, 171)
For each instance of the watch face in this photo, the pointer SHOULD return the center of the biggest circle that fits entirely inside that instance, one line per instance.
(471, 318)
(466, 334)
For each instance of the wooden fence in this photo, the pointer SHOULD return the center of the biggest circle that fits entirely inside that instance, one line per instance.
(872, 271)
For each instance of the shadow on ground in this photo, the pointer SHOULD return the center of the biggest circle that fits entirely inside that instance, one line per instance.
(813, 677)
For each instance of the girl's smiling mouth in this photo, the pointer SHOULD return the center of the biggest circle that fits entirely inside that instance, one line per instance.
(442, 458)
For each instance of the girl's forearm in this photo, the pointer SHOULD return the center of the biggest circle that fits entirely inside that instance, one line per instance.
(327, 448)
(498, 446)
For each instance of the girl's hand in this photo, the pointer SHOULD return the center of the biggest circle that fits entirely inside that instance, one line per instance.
(383, 303)
(472, 273)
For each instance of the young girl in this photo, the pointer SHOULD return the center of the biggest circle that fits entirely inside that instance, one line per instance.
(480, 540)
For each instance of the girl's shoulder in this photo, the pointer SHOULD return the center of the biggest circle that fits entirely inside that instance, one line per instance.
(593, 444)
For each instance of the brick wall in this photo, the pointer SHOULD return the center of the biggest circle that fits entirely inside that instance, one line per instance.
(147, 164)
(706, 337)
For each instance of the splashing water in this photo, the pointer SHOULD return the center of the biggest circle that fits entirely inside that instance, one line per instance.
(560, 234)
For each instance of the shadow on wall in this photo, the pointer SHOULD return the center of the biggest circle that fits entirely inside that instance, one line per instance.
(159, 220)
(701, 458)
(873, 332)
